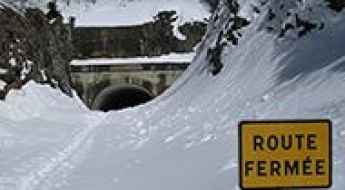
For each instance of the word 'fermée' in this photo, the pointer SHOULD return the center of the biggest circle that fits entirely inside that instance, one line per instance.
(305, 167)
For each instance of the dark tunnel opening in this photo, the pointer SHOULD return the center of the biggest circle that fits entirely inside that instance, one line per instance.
(121, 98)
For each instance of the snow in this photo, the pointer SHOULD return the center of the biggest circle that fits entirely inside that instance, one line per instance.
(12, 62)
(126, 12)
(2, 84)
(177, 32)
(44, 75)
(3, 71)
(122, 13)
(188, 137)
(170, 58)
(26, 69)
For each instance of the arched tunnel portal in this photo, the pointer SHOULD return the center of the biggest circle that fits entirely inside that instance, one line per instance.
(121, 96)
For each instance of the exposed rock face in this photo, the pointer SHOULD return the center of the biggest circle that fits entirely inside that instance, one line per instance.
(33, 48)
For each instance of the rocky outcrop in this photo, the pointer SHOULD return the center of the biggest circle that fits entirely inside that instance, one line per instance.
(33, 48)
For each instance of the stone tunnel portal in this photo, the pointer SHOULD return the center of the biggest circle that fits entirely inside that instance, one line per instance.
(120, 97)
(113, 84)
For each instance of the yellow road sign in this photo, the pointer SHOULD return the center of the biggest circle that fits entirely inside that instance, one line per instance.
(285, 154)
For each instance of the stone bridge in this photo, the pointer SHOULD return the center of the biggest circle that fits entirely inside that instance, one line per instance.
(112, 84)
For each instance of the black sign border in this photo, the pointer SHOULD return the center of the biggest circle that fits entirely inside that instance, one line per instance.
(286, 121)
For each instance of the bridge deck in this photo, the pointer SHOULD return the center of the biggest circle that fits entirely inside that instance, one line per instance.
(172, 62)
(130, 68)
(168, 59)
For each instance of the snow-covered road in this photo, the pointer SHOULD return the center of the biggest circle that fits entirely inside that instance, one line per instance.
(51, 169)
(45, 147)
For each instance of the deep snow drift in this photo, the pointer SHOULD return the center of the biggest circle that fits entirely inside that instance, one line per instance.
(187, 138)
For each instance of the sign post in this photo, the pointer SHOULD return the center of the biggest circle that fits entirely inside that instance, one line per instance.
(285, 154)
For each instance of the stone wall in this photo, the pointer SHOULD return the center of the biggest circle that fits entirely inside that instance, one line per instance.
(153, 78)
(150, 39)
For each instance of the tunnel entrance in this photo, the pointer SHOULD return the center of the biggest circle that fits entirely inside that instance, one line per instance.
(116, 98)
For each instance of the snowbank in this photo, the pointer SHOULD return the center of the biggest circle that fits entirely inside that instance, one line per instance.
(35, 101)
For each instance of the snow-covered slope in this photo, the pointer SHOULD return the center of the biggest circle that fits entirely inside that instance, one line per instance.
(119, 12)
(126, 12)
(187, 138)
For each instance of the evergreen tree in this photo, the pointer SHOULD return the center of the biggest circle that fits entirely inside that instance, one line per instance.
(231, 34)
(53, 13)
(337, 5)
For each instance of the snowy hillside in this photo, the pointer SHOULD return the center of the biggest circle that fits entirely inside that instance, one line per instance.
(126, 12)
(187, 138)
